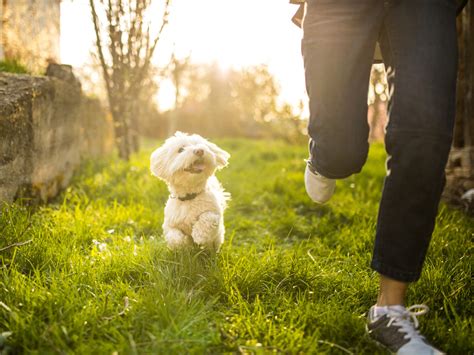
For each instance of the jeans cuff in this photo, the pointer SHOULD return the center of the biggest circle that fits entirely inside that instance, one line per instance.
(399, 275)
(314, 167)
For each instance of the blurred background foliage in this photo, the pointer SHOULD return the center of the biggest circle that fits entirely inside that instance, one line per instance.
(215, 102)
(242, 102)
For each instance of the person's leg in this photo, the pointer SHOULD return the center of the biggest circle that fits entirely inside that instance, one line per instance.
(419, 47)
(391, 292)
(338, 47)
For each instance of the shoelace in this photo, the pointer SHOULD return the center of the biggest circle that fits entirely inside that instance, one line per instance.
(407, 320)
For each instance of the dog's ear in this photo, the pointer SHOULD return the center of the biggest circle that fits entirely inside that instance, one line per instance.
(157, 163)
(180, 134)
(222, 156)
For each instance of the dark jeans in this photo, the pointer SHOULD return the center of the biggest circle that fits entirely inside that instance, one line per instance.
(418, 42)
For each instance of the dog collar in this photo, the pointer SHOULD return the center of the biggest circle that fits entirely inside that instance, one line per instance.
(187, 197)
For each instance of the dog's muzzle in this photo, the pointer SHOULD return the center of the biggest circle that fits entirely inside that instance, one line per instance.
(196, 167)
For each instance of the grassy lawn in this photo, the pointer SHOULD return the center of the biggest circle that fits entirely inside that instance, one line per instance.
(292, 276)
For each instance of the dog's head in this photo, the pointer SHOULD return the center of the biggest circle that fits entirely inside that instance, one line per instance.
(187, 160)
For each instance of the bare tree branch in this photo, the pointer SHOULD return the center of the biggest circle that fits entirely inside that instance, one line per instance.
(163, 25)
(99, 47)
(150, 52)
(130, 50)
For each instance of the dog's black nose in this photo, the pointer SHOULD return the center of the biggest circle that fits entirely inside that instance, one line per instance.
(198, 152)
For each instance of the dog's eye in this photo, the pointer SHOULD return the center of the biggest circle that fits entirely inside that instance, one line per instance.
(180, 150)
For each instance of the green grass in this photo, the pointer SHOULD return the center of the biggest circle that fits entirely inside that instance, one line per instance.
(292, 276)
(12, 66)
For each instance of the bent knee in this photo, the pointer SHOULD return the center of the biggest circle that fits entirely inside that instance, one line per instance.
(340, 162)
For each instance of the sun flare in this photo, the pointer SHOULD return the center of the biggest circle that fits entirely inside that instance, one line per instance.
(233, 33)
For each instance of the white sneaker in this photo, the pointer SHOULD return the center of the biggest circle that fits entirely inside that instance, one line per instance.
(319, 188)
(396, 330)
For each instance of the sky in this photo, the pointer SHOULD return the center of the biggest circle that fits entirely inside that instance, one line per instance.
(233, 33)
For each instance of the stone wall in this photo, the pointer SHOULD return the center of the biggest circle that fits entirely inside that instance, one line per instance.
(30, 32)
(44, 132)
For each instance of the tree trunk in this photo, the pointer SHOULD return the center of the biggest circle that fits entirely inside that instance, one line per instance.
(119, 113)
(124, 115)
(134, 127)
(460, 169)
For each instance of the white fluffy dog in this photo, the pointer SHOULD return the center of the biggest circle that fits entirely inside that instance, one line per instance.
(194, 211)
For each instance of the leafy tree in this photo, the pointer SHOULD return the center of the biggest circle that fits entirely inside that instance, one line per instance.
(256, 92)
(243, 102)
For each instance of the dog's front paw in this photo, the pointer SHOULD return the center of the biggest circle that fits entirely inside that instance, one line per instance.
(206, 231)
(177, 239)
